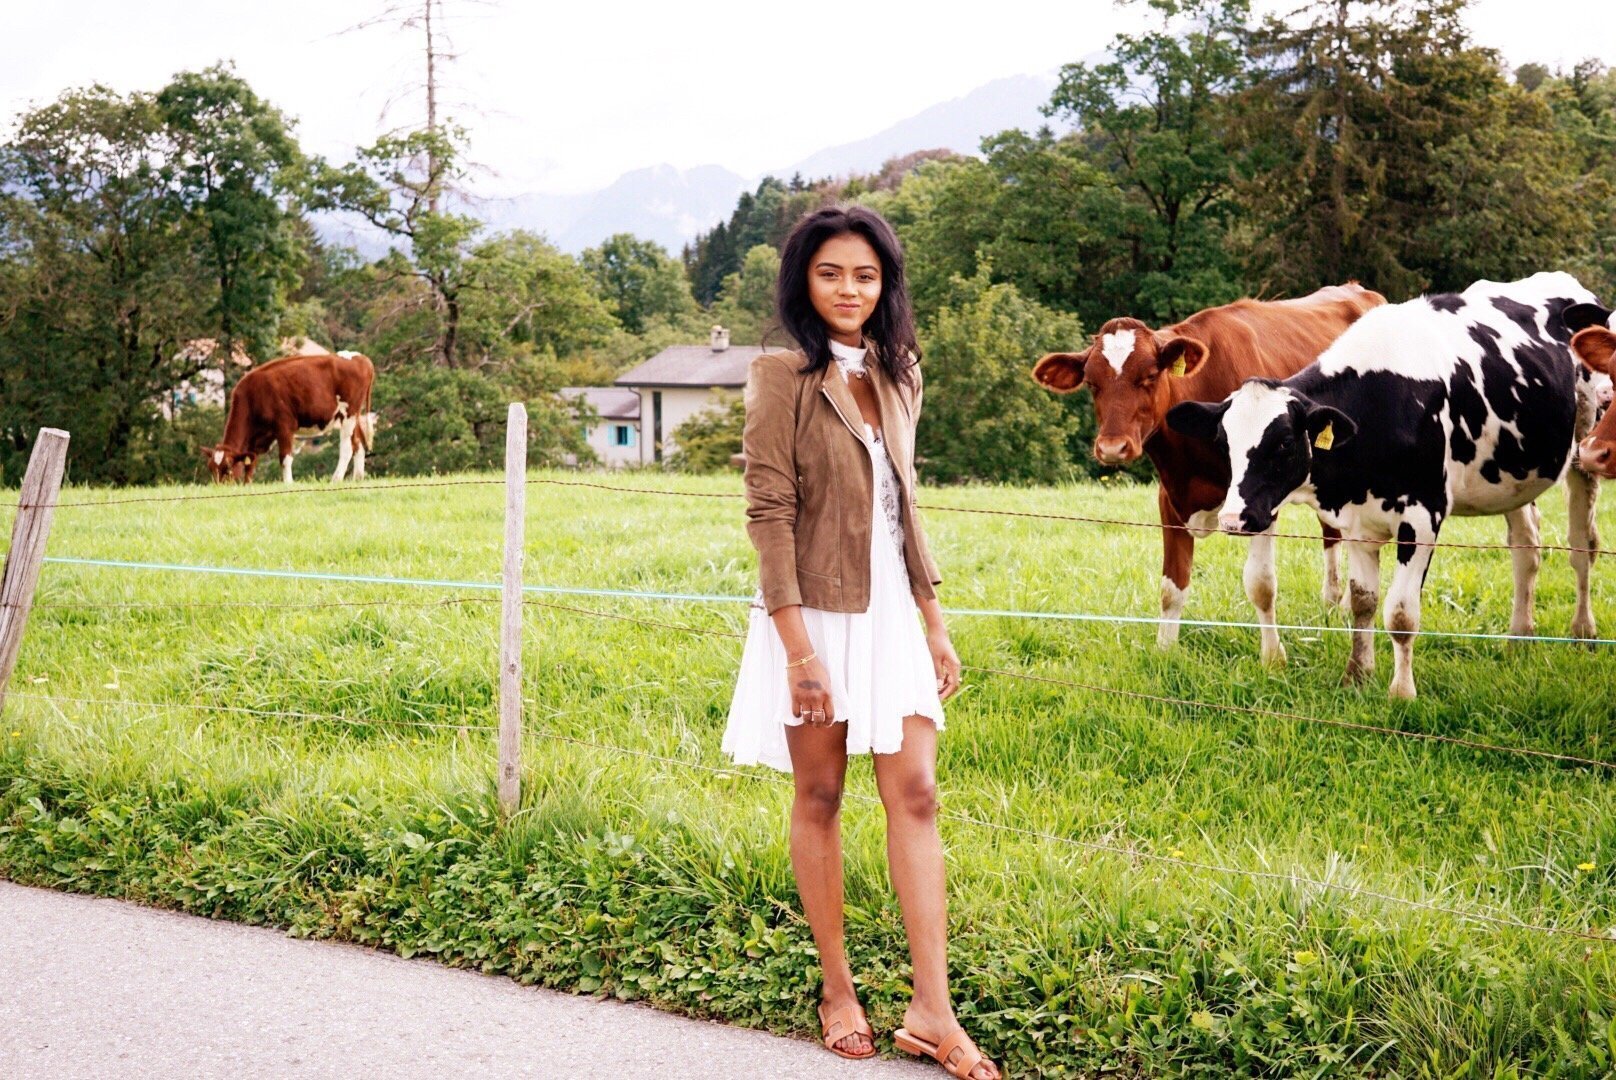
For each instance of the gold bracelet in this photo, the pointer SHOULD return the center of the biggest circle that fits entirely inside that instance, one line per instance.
(799, 663)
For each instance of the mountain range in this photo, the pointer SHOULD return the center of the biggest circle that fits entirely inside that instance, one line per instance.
(672, 205)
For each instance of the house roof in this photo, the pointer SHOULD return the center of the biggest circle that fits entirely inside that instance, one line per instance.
(613, 403)
(302, 346)
(694, 365)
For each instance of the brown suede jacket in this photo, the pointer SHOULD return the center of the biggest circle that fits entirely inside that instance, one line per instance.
(809, 482)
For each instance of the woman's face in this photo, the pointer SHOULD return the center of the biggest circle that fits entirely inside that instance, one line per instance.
(844, 282)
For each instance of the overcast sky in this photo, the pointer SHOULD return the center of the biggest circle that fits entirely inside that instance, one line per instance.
(566, 97)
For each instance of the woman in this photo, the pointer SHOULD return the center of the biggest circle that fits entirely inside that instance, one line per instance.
(835, 662)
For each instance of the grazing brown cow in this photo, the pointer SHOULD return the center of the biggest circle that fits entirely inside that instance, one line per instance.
(274, 401)
(1136, 374)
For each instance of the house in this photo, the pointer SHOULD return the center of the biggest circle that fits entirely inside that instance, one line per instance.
(616, 437)
(683, 380)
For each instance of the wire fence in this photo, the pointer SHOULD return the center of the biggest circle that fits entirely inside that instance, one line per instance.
(342, 489)
(329, 577)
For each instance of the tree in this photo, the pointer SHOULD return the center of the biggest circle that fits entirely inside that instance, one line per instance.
(1168, 151)
(746, 305)
(944, 214)
(521, 290)
(396, 184)
(99, 283)
(437, 421)
(708, 261)
(236, 168)
(1385, 146)
(983, 417)
(639, 280)
(1531, 76)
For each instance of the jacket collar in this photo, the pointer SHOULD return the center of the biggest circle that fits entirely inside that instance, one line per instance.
(841, 395)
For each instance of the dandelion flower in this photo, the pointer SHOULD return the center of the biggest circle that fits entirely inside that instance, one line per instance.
(1585, 866)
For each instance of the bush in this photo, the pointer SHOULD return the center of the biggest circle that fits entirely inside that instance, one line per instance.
(440, 420)
(983, 417)
(706, 442)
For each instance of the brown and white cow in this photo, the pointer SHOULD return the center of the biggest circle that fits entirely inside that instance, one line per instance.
(1136, 374)
(275, 401)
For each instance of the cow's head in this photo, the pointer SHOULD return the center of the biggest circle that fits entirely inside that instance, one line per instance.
(229, 466)
(1579, 317)
(1269, 434)
(1126, 369)
(1596, 347)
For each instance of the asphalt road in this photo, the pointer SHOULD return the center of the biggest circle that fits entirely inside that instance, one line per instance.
(102, 988)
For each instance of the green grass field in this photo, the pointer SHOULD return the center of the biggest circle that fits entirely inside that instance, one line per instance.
(642, 878)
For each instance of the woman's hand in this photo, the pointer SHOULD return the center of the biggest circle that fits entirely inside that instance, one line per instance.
(944, 660)
(810, 694)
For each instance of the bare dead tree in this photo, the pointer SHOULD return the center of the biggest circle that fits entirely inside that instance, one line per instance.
(431, 19)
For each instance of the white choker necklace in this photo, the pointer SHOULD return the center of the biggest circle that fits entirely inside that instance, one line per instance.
(850, 359)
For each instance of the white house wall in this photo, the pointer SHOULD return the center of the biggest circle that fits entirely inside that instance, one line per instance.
(678, 405)
(602, 442)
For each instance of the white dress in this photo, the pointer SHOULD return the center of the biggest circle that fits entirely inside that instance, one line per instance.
(880, 667)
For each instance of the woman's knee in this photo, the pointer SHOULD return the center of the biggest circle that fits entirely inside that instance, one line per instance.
(914, 798)
(819, 801)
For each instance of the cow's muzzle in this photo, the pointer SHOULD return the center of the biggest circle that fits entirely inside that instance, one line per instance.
(1597, 455)
(1114, 451)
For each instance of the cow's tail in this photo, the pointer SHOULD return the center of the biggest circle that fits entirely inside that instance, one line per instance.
(366, 426)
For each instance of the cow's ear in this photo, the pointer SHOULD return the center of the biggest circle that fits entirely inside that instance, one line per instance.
(1061, 372)
(1181, 356)
(1596, 346)
(1197, 419)
(1328, 428)
(1581, 316)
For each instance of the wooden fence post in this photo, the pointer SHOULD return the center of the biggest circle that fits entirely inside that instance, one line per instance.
(510, 627)
(35, 508)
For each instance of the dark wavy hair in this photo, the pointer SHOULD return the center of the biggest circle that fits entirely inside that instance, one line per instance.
(891, 326)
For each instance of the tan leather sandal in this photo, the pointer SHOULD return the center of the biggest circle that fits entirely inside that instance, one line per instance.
(956, 1052)
(848, 1020)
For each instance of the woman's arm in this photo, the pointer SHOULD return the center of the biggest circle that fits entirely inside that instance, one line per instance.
(945, 661)
(768, 440)
(810, 682)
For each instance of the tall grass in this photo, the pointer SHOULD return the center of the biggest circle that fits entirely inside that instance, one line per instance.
(650, 880)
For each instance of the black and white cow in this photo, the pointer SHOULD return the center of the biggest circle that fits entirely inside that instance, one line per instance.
(1460, 404)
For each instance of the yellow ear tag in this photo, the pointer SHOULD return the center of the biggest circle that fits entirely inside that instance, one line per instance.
(1326, 437)
(1178, 367)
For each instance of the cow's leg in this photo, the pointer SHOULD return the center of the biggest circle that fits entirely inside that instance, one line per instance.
(345, 440)
(1582, 498)
(1523, 540)
(1331, 592)
(1414, 539)
(286, 446)
(1261, 587)
(359, 462)
(1178, 555)
(1363, 593)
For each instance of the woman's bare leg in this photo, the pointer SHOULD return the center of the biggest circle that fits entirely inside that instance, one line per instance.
(907, 781)
(819, 769)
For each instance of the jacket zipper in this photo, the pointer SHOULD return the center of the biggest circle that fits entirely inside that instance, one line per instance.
(843, 415)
